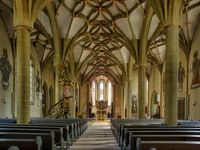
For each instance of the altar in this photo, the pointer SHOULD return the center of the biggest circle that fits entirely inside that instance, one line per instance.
(101, 110)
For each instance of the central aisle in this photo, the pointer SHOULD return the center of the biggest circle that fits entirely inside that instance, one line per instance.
(97, 137)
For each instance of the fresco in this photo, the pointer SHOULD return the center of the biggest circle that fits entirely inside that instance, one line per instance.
(181, 76)
(195, 71)
(5, 68)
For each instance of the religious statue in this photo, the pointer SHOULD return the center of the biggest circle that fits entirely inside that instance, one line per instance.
(134, 104)
(195, 71)
(181, 76)
(5, 69)
(37, 78)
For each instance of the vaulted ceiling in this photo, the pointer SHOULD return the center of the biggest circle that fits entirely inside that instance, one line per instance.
(100, 36)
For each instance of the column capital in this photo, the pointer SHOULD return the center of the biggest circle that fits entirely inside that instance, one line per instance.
(165, 26)
(19, 27)
(142, 65)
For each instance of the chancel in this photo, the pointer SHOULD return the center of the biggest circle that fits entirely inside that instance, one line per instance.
(99, 74)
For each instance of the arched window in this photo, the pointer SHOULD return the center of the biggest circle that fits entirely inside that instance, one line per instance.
(93, 92)
(32, 89)
(109, 93)
(101, 90)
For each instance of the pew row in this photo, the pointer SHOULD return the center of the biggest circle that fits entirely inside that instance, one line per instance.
(62, 131)
(135, 141)
(125, 129)
(167, 145)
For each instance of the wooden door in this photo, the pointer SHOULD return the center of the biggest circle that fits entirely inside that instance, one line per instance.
(181, 108)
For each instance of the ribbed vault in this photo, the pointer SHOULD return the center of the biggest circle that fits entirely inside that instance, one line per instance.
(99, 37)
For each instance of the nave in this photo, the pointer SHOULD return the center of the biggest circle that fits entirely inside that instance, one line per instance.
(129, 60)
(98, 136)
(116, 134)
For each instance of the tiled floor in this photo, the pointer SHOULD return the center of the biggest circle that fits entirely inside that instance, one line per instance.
(97, 137)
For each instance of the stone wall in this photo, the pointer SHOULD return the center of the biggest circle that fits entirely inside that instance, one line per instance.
(47, 87)
(6, 70)
(135, 93)
(36, 104)
(154, 88)
(194, 77)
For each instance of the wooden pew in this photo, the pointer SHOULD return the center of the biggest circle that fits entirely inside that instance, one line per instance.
(121, 128)
(45, 136)
(119, 125)
(69, 129)
(123, 142)
(81, 123)
(167, 145)
(159, 131)
(65, 130)
(13, 148)
(75, 125)
(8, 121)
(21, 143)
(167, 137)
(56, 132)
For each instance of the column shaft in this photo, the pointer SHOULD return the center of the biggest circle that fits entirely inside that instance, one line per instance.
(73, 102)
(106, 91)
(122, 100)
(57, 86)
(98, 91)
(141, 92)
(130, 94)
(172, 59)
(84, 96)
(23, 75)
(117, 100)
(161, 98)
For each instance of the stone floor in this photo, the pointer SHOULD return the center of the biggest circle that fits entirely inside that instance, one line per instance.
(97, 137)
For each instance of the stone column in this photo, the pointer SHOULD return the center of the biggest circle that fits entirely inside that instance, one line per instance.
(78, 96)
(22, 91)
(96, 92)
(122, 87)
(112, 93)
(57, 86)
(141, 91)
(149, 110)
(84, 100)
(73, 102)
(106, 91)
(57, 76)
(172, 59)
(126, 96)
(117, 100)
(161, 97)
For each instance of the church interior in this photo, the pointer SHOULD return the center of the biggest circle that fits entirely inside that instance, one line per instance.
(122, 64)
